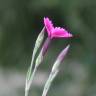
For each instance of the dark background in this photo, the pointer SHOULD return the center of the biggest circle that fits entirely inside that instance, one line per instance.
(20, 23)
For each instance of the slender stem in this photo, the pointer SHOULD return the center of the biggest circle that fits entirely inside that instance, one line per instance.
(49, 82)
(32, 77)
(27, 88)
(26, 92)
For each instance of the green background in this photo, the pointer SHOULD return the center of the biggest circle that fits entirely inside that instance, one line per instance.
(20, 23)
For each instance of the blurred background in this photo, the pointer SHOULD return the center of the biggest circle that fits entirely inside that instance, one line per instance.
(20, 23)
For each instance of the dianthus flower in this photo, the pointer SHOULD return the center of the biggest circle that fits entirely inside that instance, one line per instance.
(56, 32)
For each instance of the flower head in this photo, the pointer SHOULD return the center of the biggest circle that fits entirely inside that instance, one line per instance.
(56, 32)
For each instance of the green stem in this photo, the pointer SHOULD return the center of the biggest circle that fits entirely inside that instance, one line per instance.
(31, 78)
(26, 92)
(49, 82)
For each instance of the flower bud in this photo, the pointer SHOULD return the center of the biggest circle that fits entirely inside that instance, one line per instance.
(43, 51)
(60, 58)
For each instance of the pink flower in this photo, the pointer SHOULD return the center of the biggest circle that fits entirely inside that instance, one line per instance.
(56, 32)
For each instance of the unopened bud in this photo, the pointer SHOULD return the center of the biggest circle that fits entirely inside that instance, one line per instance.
(60, 58)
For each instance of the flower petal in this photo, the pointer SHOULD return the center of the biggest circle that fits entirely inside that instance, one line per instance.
(48, 24)
(60, 32)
